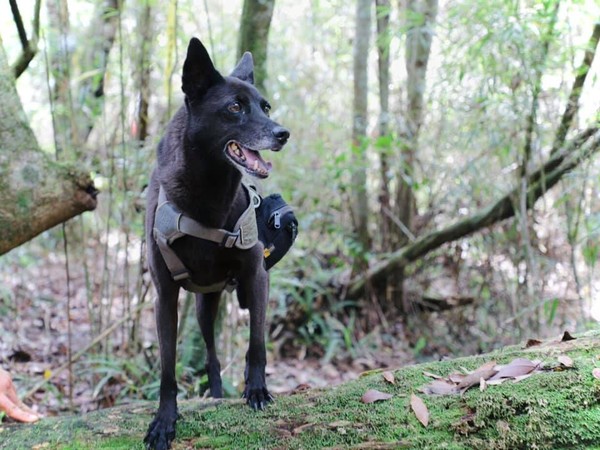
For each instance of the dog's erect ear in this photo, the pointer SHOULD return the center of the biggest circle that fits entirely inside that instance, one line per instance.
(245, 69)
(199, 73)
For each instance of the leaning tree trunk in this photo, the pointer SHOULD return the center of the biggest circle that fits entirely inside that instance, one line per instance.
(36, 192)
(254, 36)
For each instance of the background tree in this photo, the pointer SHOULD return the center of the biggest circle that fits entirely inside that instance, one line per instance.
(254, 36)
(384, 143)
(360, 205)
(36, 192)
(420, 18)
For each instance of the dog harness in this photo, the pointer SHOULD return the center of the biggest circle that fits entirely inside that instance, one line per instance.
(171, 224)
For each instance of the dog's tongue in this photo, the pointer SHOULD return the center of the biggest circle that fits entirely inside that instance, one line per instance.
(255, 162)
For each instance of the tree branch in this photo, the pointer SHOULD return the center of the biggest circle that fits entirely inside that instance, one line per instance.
(579, 149)
(573, 103)
(29, 45)
(14, 7)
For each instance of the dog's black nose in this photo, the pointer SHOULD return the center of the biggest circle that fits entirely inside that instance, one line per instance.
(281, 134)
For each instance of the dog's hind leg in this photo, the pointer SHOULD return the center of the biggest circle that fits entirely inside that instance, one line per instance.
(207, 307)
(161, 431)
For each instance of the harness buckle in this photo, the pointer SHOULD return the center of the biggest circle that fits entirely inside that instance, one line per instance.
(230, 239)
(183, 275)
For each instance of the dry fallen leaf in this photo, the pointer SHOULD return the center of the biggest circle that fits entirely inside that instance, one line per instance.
(432, 375)
(456, 377)
(340, 424)
(302, 387)
(482, 384)
(516, 368)
(439, 387)
(420, 409)
(520, 377)
(389, 377)
(567, 337)
(532, 343)
(565, 360)
(373, 395)
(296, 431)
(473, 379)
(596, 373)
(487, 366)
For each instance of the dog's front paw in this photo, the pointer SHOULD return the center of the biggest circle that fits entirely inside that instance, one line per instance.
(257, 397)
(161, 431)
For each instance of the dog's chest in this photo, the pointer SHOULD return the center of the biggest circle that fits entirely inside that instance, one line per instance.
(207, 262)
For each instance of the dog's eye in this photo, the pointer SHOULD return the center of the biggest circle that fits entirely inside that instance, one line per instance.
(235, 107)
(267, 109)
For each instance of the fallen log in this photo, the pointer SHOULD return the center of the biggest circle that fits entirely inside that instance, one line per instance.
(555, 406)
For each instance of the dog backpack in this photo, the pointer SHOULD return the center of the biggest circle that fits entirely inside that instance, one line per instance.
(277, 228)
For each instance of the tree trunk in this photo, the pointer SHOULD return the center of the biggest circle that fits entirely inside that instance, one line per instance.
(36, 193)
(384, 142)
(539, 182)
(421, 18)
(75, 113)
(359, 126)
(254, 36)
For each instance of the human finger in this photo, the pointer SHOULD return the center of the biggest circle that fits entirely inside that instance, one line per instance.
(14, 411)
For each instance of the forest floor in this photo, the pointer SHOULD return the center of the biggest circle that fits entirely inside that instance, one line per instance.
(35, 342)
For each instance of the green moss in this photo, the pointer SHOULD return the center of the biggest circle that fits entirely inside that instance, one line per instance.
(550, 410)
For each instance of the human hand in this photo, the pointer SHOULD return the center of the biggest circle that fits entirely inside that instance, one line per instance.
(10, 403)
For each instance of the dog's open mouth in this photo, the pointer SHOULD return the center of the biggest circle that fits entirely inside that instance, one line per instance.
(248, 159)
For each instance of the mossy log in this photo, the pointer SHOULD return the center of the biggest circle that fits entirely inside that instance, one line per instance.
(549, 410)
(36, 192)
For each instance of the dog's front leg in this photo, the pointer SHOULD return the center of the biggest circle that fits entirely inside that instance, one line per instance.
(161, 431)
(256, 288)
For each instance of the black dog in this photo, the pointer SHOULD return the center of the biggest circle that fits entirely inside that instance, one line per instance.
(209, 142)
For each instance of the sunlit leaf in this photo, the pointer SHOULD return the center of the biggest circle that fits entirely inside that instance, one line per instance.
(420, 409)
(439, 387)
(373, 395)
(516, 368)
(565, 361)
(389, 377)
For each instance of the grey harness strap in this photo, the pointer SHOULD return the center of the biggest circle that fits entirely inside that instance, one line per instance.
(171, 224)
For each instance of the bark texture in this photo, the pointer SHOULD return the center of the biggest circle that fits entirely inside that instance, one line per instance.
(254, 36)
(36, 193)
(421, 17)
(359, 122)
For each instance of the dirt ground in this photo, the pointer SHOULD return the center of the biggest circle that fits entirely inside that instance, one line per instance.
(36, 335)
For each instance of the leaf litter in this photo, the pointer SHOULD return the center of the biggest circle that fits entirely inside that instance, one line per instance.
(488, 374)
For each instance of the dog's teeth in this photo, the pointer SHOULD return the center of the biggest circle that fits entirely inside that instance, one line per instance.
(255, 165)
